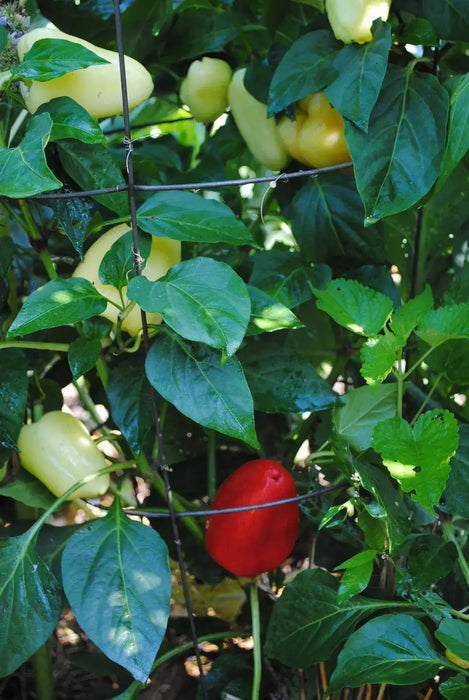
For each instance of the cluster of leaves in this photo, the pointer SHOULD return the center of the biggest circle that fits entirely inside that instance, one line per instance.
(329, 310)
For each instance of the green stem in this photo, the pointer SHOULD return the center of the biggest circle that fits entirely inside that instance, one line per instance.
(400, 389)
(256, 635)
(211, 465)
(35, 234)
(419, 361)
(30, 345)
(43, 676)
(427, 398)
(451, 537)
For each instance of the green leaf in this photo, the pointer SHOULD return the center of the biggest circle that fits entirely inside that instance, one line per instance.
(394, 649)
(360, 309)
(455, 688)
(287, 382)
(454, 635)
(91, 166)
(430, 558)
(445, 323)
(30, 600)
(193, 380)
(130, 401)
(364, 67)
(286, 277)
(307, 66)
(48, 59)
(117, 579)
(71, 121)
(362, 409)
(26, 489)
(83, 355)
(418, 457)
(117, 265)
(457, 487)
(14, 393)
(397, 518)
(74, 217)
(457, 141)
(327, 222)
(358, 570)
(196, 31)
(185, 216)
(308, 625)
(397, 161)
(23, 169)
(58, 302)
(378, 356)
(201, 299)
(450, 18)
(267, 314)
(408, 316)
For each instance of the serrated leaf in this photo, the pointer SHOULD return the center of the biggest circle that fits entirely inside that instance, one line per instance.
(362, 409)
(117, 265)
(267, 314)
(185, 216)
(307, 66)
(203, 300)
(286, 276)
(48, 59)
(30, 600)
(358, 570)
(454, 635)
(57, 303)
(130, 401)
(378, 356)
(418, 457)
(192, 378)
(408, 316)
(457, 488)
(287, 383)
(92, 167)
(23, 169)
(394, 649)
(307, 623)
(14, 393)
(364, 67)
(327, 222)
(83, 355)
(360, 309)
(457, 140)
(445, 323)
(117, 579)
(397, 161)
(71, 121)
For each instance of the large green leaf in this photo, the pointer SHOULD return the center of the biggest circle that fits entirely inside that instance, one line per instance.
(283, 381)
(457, 487)
(455, 688)
(450, 18)
(378, 356)
(30, 601)
(201, 299)
(23, 169)
(360, 309)
(364, 67)
(308, 624)
(394, 649)
(48, 59)
(308, 66)
(185, 216)
(117, 579)
(25, 488)
(454, 634)
(71, 121)
(117, 265)
(268, 315)
(192, 378)
(14, 392)
(196, 31)
(445, 323)
(397, 161)
(357, 574)
(418, 457)
(457, 141)
(57, 303)
(362, 409)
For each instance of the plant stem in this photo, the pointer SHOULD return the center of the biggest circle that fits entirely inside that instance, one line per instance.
(400, 387)
(30, 345)
(427, 398)
(256, 635)
(450, 537)
(35, 234)
(211, 465)
(43, 676)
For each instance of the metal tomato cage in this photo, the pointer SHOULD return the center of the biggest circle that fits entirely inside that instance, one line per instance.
(160, 464)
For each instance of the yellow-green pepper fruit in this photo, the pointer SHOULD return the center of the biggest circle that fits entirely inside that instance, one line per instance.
(351, 20)
(204, 90)
(165, 252)
(59, 451)
(316, 137)
(259, 132)
(96, 88)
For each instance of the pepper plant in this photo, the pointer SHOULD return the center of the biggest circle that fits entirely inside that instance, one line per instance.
(319, 318)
